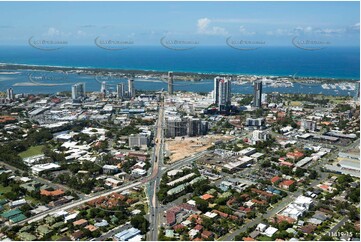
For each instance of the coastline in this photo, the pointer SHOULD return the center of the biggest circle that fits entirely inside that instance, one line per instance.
(195, 76)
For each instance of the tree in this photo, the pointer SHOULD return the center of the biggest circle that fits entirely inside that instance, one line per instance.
(4, 179)
(201, 204)
(355, 195)
(344, 180)
(299, 172)
(292, 187)
(11, 195)
(280, 235)
(286, 170)
(313, 174)
(284, 225)
(326, 238)
(139, 222)
(265, 164)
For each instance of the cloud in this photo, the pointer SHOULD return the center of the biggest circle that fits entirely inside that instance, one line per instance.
(281, 32)
(203, 24)
(88, 26)
(313, 31)
(245, 21)
(203, 27)
(53, 32)
(80, 34)
(356, 26)
(244, 31)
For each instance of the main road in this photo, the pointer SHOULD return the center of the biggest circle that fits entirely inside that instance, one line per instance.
(157, 171)
(154, 179)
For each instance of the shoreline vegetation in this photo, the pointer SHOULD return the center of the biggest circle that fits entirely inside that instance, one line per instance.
(152, 74)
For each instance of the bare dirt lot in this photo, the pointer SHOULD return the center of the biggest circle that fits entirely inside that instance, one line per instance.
(180, 148)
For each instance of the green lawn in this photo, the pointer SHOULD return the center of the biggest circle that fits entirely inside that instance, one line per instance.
(55, 237)
(32, 200)
(4, 190)
(33, 150)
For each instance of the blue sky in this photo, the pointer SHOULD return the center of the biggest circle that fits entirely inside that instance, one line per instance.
(145, 23)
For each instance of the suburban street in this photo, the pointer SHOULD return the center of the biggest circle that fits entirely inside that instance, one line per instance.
(78, 202)
(335, 228)
(281, 205)
(42, 180)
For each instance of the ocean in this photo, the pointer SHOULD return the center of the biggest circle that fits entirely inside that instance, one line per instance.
(332, 62)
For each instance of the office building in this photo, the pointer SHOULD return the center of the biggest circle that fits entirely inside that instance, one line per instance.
(176, 127)
(10, 94)
(78, 91)
(197, 127)
(190, 126)
(257, 98)
(138, 140)
(170, 82)
(120, 91)
(310, 125)
(131, 89)
(255, 122)
(264, 98)
(204, 127)
(259, 135)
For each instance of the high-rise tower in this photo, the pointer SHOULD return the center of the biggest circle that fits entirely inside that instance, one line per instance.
(257, 98)
(10, 94)
(170, 82)
(131, 89)
(120, 90)
(224, 94)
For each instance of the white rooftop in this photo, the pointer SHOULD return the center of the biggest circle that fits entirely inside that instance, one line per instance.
(270, 231)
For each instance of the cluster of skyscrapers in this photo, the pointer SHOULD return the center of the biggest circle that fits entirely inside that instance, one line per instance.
(78, 90)
(222, 94)
(10, 96)
(121, 90)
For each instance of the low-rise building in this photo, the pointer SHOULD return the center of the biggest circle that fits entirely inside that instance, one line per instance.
(110, 169)
(285, 184)
(126, 235)
(36, 169)
(17, 203)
